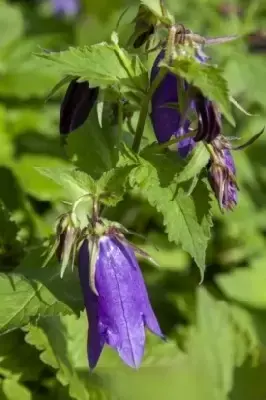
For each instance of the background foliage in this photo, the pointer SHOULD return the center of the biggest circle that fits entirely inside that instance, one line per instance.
(217, 330)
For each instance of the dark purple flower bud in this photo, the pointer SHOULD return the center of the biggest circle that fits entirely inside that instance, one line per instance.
(168, 120)
(76, 106)
(67, 7)
(222, 176)
(120, 312)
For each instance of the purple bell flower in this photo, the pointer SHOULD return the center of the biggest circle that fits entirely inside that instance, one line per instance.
(120, 312)
(67, 7)
(167, 121)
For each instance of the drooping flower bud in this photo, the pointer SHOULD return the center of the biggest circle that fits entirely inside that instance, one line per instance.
(119, 310)
(222, 174)
(167, 118)
(67, 235)
(76, 105)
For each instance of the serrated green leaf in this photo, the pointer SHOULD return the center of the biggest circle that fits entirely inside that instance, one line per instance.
(76, 183)
(21, 299)
(33, 291)
(186, 218)
(100, 64)
(208, 79)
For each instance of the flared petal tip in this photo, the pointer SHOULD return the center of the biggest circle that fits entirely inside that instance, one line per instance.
(133, 360)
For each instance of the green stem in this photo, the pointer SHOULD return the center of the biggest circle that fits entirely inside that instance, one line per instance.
(126, 65)
(80, 200)
(145, 109)
(211, 151)
(176, 140)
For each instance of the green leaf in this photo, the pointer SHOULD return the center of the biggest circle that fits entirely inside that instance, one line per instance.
(114, 183)
(94, 149)
(246, 285)
(247, 342)
(11, 24)
(186, 218)
(167, 255)
(208, 79)
(14, 390)
(21, 299)
(249, 382)
(9, 231)
(166, 369)
(195, 163)
(76, 183)
(155, 7)
(62, 342)
(35, 184)
(13, 353)
(217, 356)
(101, 64)
(33, 291)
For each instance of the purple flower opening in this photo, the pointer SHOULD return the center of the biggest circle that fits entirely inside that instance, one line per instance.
(119, 315)
(67, 7)
(168, 121)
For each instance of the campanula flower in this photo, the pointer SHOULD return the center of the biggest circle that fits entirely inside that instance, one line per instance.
(168, 120)
(119, 310)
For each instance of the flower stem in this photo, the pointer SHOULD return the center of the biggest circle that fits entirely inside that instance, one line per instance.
(162, 146)
(145, 109)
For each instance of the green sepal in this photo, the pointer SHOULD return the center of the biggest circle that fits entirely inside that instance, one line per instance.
(93, 250)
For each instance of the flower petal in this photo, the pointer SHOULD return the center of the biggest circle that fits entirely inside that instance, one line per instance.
(95, 337)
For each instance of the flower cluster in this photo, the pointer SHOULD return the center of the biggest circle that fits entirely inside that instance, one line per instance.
(169, 120)
(115, 296)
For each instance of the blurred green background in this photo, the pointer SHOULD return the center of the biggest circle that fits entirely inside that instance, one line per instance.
(216, 331)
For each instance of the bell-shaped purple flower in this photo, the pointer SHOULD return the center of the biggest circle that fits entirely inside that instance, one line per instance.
(167, 119)
(120, 312)
(67, 7)
(222, 176)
